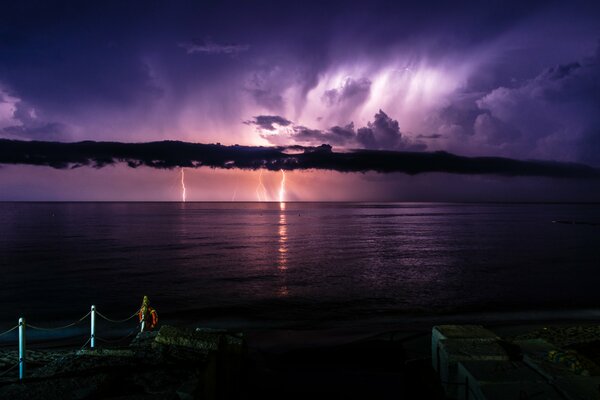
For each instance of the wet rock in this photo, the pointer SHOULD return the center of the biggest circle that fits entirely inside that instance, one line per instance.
(188, 338)
(8, 358)
(189, 390)
(565, 335)
(66, 388)
(224, 357)
(143, 339)
(173, 364)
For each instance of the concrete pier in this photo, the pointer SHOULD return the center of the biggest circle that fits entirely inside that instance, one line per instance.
(473, 364)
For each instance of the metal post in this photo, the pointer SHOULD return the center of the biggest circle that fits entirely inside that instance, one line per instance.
(21, 348)
(93, 327)
(143, 322)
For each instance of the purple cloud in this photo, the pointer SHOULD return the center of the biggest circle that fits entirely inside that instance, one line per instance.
(356, 90)
(46, 131)
(432, 136)
(268, 122)
(382, 133)
(335, 136)
(207, 46)
(552, 115)
(24, 123)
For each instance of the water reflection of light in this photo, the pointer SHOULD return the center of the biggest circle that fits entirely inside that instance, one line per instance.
(283, 246)
(283, 291)
(282, 260)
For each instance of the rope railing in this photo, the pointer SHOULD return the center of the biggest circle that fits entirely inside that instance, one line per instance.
(85, 344)
(39, 328)
(9, 331)
(91, 339)
(8, 370)
(130, 334)
(117, 321)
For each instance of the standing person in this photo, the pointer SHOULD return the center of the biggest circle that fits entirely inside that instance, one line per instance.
(148, 315)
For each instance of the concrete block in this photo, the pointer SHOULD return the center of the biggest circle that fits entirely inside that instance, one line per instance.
(579, 387)
(535, 346)
(497, 372)
(535, 355)
(515, 391)
(441, 332)
(453, 351)
(473, 375)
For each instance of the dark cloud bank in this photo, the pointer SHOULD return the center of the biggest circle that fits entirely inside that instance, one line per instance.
(172, 154)
(207, 46)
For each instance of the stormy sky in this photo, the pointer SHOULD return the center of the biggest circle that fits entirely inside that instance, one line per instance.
(518, 80)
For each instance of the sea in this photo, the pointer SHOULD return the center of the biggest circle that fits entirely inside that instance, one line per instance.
(295, 266)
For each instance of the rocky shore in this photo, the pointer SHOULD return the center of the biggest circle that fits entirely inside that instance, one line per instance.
(172, 363)
(583, 341)
(565, 335)
(176, 363)
(207, 364)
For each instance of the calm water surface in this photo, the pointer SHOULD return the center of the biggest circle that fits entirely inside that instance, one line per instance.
(297, 265)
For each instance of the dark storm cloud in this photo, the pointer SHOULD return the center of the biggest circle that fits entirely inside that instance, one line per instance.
(273, 74)
(27, 125)
(48, 131)
(336, 136)
(552, 115)
(356, 90)
(62, 71)
(170, 154)
(495, 131)
(458, 117)
(207, 46)
(103, 66)
(266, 97)
(382, 133)
(558, 106)
(267, 121)
(67, 54)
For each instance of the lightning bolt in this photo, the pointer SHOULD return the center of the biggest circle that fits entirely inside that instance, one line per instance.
(182, 185)
(261, 191)
(282, 187)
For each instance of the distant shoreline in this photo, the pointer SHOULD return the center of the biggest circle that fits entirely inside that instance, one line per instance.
(308, 202)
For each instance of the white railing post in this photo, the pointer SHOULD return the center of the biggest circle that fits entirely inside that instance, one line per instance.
(93, 327)
(143, 325)
(21, 348)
